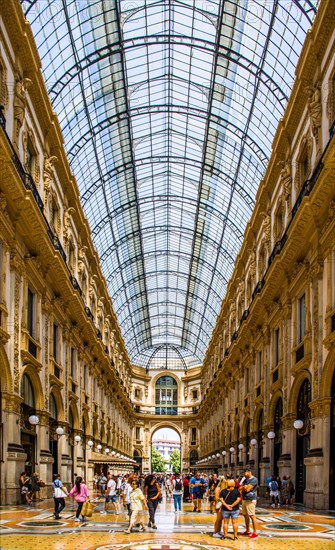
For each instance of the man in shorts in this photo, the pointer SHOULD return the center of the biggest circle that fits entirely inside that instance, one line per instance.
(248, 489)
(111, 495)
(198, 486)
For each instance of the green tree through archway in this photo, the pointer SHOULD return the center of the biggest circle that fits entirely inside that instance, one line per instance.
(157, 461)
(175, 462)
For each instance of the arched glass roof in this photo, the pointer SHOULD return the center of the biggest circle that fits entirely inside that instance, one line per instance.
(168, 110)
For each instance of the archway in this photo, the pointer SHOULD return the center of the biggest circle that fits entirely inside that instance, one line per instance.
(166, 450)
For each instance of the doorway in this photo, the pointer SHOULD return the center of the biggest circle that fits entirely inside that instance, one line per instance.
(332, 448)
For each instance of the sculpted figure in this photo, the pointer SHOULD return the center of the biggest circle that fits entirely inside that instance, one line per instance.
(314, 107)
(48, 174)
(20, 103)
(286, 178)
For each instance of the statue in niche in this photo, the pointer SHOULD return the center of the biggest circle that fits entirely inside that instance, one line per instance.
(81, 257)
(20, 103)
(266, 229)
(67, 222)
(48, 174)
(315, 108)
(286, 178)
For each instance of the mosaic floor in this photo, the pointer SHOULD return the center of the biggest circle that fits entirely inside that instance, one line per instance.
(35, 528)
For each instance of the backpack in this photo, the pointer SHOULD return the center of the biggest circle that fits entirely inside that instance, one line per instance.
(274, 485)
(178, 485)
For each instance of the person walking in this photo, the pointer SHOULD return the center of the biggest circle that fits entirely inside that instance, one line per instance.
(274, 492)
(58, 493)
(137, 504)
(81, 494)
(248, 489)
(230, 498)
(126, 493)
(152, 494)
(110, 495)
(198, 486)
(177, 493)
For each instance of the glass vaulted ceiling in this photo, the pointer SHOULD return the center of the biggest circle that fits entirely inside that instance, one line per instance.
(168, 110)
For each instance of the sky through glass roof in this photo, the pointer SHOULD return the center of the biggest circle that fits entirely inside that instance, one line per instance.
(168, 110)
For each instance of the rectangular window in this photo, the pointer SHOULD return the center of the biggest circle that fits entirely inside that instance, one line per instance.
(246, 380)
(73, 363)
(301, 318)
(276, 347)
(259, 367)
(138, 433)
(137, 393)
(85, 377)
(31, 313)
(30, 159)
(1, 266)
(195, 394)
(55, 343)
(194, 435)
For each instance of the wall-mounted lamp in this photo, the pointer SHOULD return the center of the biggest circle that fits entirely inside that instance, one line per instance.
(253, 442)
(271, 435)
(224, 453)
(297, 424)
(232, 450)
(59, 431)
(213, 456)
(113, 453)
(99, 447)
(303, 428)
(107, 451)
(77, 439)
(241, 446)
(217, 455)
(90, 444)
(33, 420)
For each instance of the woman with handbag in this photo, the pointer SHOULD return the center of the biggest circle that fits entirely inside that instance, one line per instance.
(153, 495)
(81, 494)
(59, 492)
(137, 507)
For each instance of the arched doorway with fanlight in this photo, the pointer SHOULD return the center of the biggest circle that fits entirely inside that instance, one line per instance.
(138, 459)
(302, 438)
(28, 430)
(277, 444)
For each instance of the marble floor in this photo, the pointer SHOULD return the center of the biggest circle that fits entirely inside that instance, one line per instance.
(34, 528)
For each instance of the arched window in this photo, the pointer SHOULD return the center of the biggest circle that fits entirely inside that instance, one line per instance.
(166, 396)
(27, 391)
(53, 407)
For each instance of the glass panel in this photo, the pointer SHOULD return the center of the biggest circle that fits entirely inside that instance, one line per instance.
(168, 111)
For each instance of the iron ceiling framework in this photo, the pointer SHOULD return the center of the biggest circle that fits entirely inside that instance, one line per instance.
(168, 110)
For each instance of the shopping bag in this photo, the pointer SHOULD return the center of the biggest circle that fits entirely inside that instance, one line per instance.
(87, 509)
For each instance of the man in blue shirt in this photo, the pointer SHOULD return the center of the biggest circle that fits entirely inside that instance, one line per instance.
(248, 490)
(198, 488)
